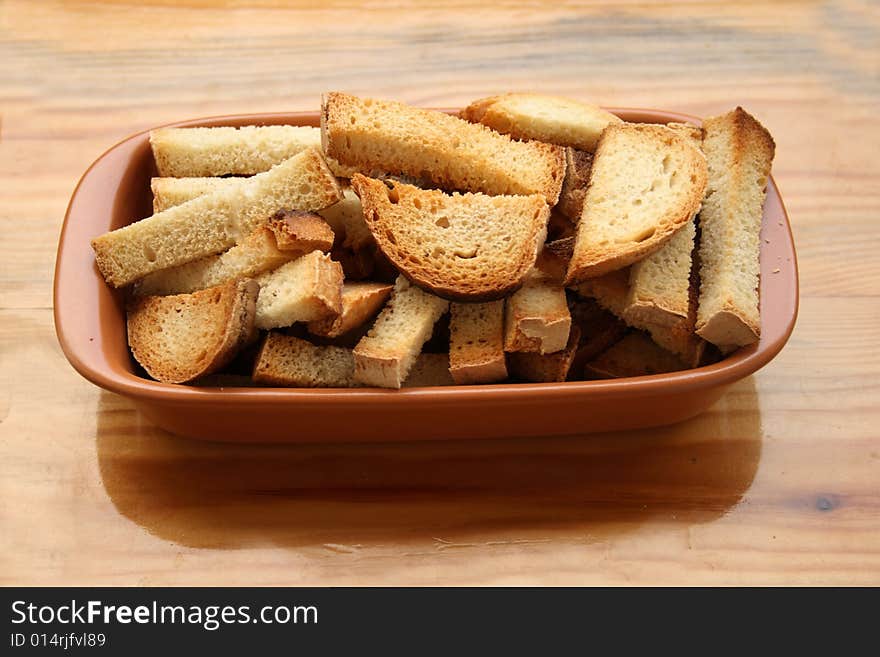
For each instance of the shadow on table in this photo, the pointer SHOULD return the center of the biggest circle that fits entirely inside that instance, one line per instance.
(229, 496)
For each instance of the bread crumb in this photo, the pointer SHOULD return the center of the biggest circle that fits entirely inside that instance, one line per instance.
(776, 271)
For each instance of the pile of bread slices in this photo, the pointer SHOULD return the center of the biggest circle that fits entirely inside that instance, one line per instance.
(530, 238)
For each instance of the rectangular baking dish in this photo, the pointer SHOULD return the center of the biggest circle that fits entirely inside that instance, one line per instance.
(90, 323)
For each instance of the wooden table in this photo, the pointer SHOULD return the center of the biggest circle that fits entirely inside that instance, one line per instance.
(778, 484)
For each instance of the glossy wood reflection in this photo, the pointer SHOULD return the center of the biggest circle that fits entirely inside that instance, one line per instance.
(213, 495)
(778, 483)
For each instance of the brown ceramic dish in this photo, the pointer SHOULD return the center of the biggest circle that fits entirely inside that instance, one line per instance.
(90, 322)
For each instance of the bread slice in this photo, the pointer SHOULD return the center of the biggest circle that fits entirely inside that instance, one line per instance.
(690, 132)
(301, 232)
(740, 153)
(659, 285)
(288, 361)
(347, 219)
(292, 362)
(646, 183)
(386, 354)
(257, 254)
(180, 338)
(549, 119)
(574, 186)
(476, 342)
(537, 317)
(360, 303)
(463, 247)
(610, 290)
(195, 152)
(635, 355)
(214, 222)
(612, 293)
(304, 290)
(429, 370)
(168, 192)
(546, 368)
(454, 154)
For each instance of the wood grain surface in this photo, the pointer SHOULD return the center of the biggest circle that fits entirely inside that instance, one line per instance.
(778, 484)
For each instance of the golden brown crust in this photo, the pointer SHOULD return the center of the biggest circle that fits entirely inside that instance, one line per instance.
(173, 353)
(301, 231)
(360, 302)
(541, 117)
(454, 154)
(455, 279)
(476, 343)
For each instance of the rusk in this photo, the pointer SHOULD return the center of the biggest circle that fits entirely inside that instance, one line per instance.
(386, 354)
(213, 222)
(463, 247)
(180, 338)
(370, 134)
(646, 183)
(740, 153)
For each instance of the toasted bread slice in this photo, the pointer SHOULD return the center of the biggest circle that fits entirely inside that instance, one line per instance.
(347, 219)
(476, 342)
(180, 338)
(454, 154)
(549, 119)
(740, 153)
(292, 362)
(386, 354)
(546, 368)
(610, 290)
(464, 247)
(646, 183)
(574, 186)
(537, 317)
(689, 131)
(635, 355)
(288, 361)
(429, 370)
(360, 303)
(195, 152)
(214, 222)
(301, 232)
(304, 290)
(257, 254)
(168, 192)
(612, 293)
(659, 285)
